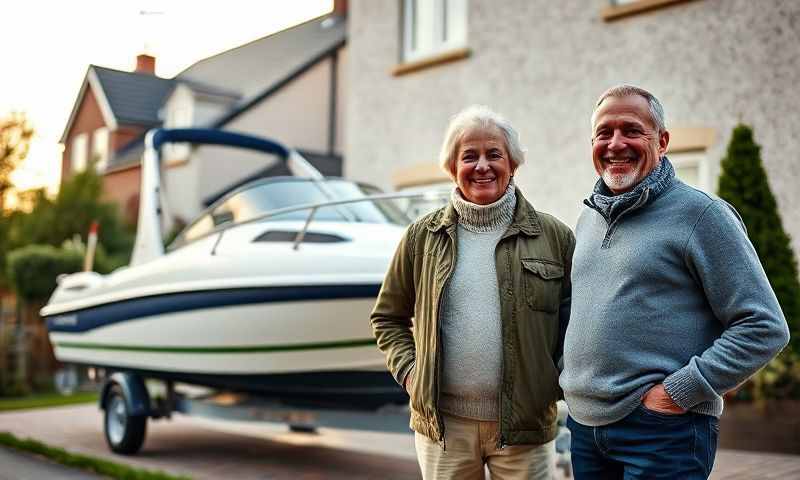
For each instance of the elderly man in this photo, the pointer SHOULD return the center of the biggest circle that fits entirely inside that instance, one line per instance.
(670, 309)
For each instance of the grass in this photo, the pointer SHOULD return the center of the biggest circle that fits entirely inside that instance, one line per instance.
(84, 462)
(45, 400)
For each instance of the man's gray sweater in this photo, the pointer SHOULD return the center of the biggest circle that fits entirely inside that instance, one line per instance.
(666, 288)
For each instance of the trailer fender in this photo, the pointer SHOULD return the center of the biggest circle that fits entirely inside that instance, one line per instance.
(136, 397)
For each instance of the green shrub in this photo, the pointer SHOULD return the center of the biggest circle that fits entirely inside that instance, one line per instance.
(32, 270)
(70, 213)
(743, 183)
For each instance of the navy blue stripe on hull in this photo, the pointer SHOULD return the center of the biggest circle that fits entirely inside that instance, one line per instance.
(108, 314)
(338, 389)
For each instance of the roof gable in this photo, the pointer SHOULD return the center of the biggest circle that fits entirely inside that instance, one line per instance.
(134, 98)
(125, 98)
(247, 69)
(90, 82)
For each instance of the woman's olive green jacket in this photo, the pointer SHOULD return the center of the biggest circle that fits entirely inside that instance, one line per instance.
(533, 261)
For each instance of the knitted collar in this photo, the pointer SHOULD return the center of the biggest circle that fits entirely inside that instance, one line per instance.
(611, 206)
(485, 218)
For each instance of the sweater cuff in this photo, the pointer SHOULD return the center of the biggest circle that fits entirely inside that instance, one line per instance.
(687, 387)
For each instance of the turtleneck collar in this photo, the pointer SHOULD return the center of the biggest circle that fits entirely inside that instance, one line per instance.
(485, 218)
(612, 206)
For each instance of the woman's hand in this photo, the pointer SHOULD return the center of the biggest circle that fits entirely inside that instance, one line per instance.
(408, 380)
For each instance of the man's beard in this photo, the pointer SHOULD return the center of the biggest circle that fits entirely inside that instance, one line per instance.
(621, 181)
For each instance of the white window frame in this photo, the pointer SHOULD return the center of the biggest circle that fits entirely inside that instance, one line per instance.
(79, 152)
(446, 29)
(694, 158)
(100, 147)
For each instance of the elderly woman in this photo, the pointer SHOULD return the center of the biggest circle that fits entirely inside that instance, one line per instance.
(485, 280)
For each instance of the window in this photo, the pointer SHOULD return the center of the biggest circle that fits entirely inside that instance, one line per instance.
(433, 26)
(78, 153)
(179, 114)
(100, 149)
(691, 168)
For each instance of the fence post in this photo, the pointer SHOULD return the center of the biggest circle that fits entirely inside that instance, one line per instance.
(4, 319)
(21, 347)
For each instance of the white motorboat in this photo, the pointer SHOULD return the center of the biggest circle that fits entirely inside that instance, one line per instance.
(269, 290)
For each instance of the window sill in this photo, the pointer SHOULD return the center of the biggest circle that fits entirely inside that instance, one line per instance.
(432, 61)
(176, 162)
(121, 168)
(615, 12)
(688, 139)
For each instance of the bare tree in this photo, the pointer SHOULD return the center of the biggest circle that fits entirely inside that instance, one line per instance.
(16, 133)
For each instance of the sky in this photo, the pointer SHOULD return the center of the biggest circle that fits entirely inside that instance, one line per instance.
(48, 46)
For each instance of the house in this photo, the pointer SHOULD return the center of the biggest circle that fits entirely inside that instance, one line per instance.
(712, 63)
(113, 108)
(287, 86)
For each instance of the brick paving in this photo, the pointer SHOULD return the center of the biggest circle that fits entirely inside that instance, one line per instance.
(206, 449)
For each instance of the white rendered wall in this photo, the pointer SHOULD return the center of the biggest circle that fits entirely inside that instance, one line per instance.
(543, 64)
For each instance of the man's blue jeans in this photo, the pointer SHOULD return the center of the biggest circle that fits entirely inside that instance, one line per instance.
(645, 445)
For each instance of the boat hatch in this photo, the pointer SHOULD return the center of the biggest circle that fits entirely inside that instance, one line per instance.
(291, 236)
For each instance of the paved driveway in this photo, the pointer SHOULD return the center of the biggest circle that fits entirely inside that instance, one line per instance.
(206, 449)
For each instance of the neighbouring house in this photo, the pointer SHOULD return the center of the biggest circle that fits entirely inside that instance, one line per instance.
(288, 86)
(713, 63)
(112, 109)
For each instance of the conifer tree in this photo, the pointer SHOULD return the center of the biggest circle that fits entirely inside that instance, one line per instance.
(743, 184)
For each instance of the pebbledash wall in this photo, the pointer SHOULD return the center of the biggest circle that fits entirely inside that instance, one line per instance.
(543, 64)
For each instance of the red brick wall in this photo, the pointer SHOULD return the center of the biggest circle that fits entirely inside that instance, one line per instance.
(88, 119)
(122, 188)
(123, 135)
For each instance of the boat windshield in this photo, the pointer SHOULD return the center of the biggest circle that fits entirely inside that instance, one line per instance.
(274, 194)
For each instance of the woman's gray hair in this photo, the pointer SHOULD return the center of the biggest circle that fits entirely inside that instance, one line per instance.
(656, 110)
(481, 116)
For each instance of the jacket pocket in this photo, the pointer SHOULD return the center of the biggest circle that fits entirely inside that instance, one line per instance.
(542, 281)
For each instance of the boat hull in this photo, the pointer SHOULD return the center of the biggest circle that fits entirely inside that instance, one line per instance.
(304, 344)
(235, 331)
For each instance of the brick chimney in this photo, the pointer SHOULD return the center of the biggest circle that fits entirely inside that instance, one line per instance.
(340, 8)
(145, 64)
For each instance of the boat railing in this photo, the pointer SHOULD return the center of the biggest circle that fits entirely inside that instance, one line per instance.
(314, 207)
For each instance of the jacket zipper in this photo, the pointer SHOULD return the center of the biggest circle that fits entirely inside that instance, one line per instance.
(501, 441)
(439, 420)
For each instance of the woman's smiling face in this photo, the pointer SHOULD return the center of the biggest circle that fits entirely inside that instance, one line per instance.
(483, 166)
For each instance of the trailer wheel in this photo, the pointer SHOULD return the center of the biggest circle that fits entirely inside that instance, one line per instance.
(124, 432)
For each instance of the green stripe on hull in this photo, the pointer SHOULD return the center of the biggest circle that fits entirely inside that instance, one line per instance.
(243, 349)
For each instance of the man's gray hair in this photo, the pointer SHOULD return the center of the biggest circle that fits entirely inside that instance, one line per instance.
(656, 110)
(481, 116)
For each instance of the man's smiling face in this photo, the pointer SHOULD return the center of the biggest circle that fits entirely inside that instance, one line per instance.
(626, 144)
